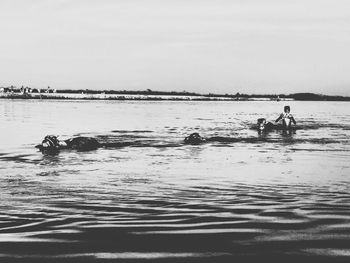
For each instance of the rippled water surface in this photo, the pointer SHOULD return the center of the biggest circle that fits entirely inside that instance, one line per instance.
(271, 196)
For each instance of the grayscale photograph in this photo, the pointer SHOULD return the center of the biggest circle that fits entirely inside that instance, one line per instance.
(185, 131)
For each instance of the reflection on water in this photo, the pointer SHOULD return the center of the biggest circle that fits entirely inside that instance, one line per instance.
(271, 196)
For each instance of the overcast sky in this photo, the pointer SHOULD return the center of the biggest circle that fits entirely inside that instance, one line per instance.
(224, 46)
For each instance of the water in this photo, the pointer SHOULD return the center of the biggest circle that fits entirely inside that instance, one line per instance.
(273, 196)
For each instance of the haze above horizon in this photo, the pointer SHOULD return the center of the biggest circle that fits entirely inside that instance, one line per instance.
(204, 46)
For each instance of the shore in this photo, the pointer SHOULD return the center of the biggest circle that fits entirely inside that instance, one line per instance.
(103, 96)
(28, 93)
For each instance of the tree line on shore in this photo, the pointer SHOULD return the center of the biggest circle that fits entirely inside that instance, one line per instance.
(295, 96)
(238, 96)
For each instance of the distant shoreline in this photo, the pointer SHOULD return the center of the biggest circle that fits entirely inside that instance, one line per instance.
(149, 95)
(122, 97)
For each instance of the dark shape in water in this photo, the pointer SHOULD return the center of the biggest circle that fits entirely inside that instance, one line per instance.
(52, 145)
(194, 139)
(83, 143)
(266, 126)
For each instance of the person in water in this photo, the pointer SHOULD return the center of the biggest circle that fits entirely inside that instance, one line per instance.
(195, 139)
(263, 125)
(52, 145)
(287, 118)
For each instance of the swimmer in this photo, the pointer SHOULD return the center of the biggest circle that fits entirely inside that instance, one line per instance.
(264, 125)
(287, 118)
(194, 139)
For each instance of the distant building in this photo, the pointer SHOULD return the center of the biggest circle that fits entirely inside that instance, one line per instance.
(5, 90)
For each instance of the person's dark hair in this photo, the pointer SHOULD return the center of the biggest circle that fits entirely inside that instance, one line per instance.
(261, 120)
(286, 108)
(194, 138)
(51, 140)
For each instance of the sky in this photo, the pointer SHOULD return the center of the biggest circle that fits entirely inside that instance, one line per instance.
(205, 46)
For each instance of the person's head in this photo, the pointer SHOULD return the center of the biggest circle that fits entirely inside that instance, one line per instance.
(286, 109)
(261, 124)
(194, 138)
(50, 144)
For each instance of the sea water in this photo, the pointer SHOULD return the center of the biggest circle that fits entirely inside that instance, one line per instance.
(278, 195)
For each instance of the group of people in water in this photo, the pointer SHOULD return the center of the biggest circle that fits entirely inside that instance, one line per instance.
(51, 144)
(283, 122)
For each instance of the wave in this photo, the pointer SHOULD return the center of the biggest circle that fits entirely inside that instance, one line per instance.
(136, 141)
(238, 221)
(310, 126)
